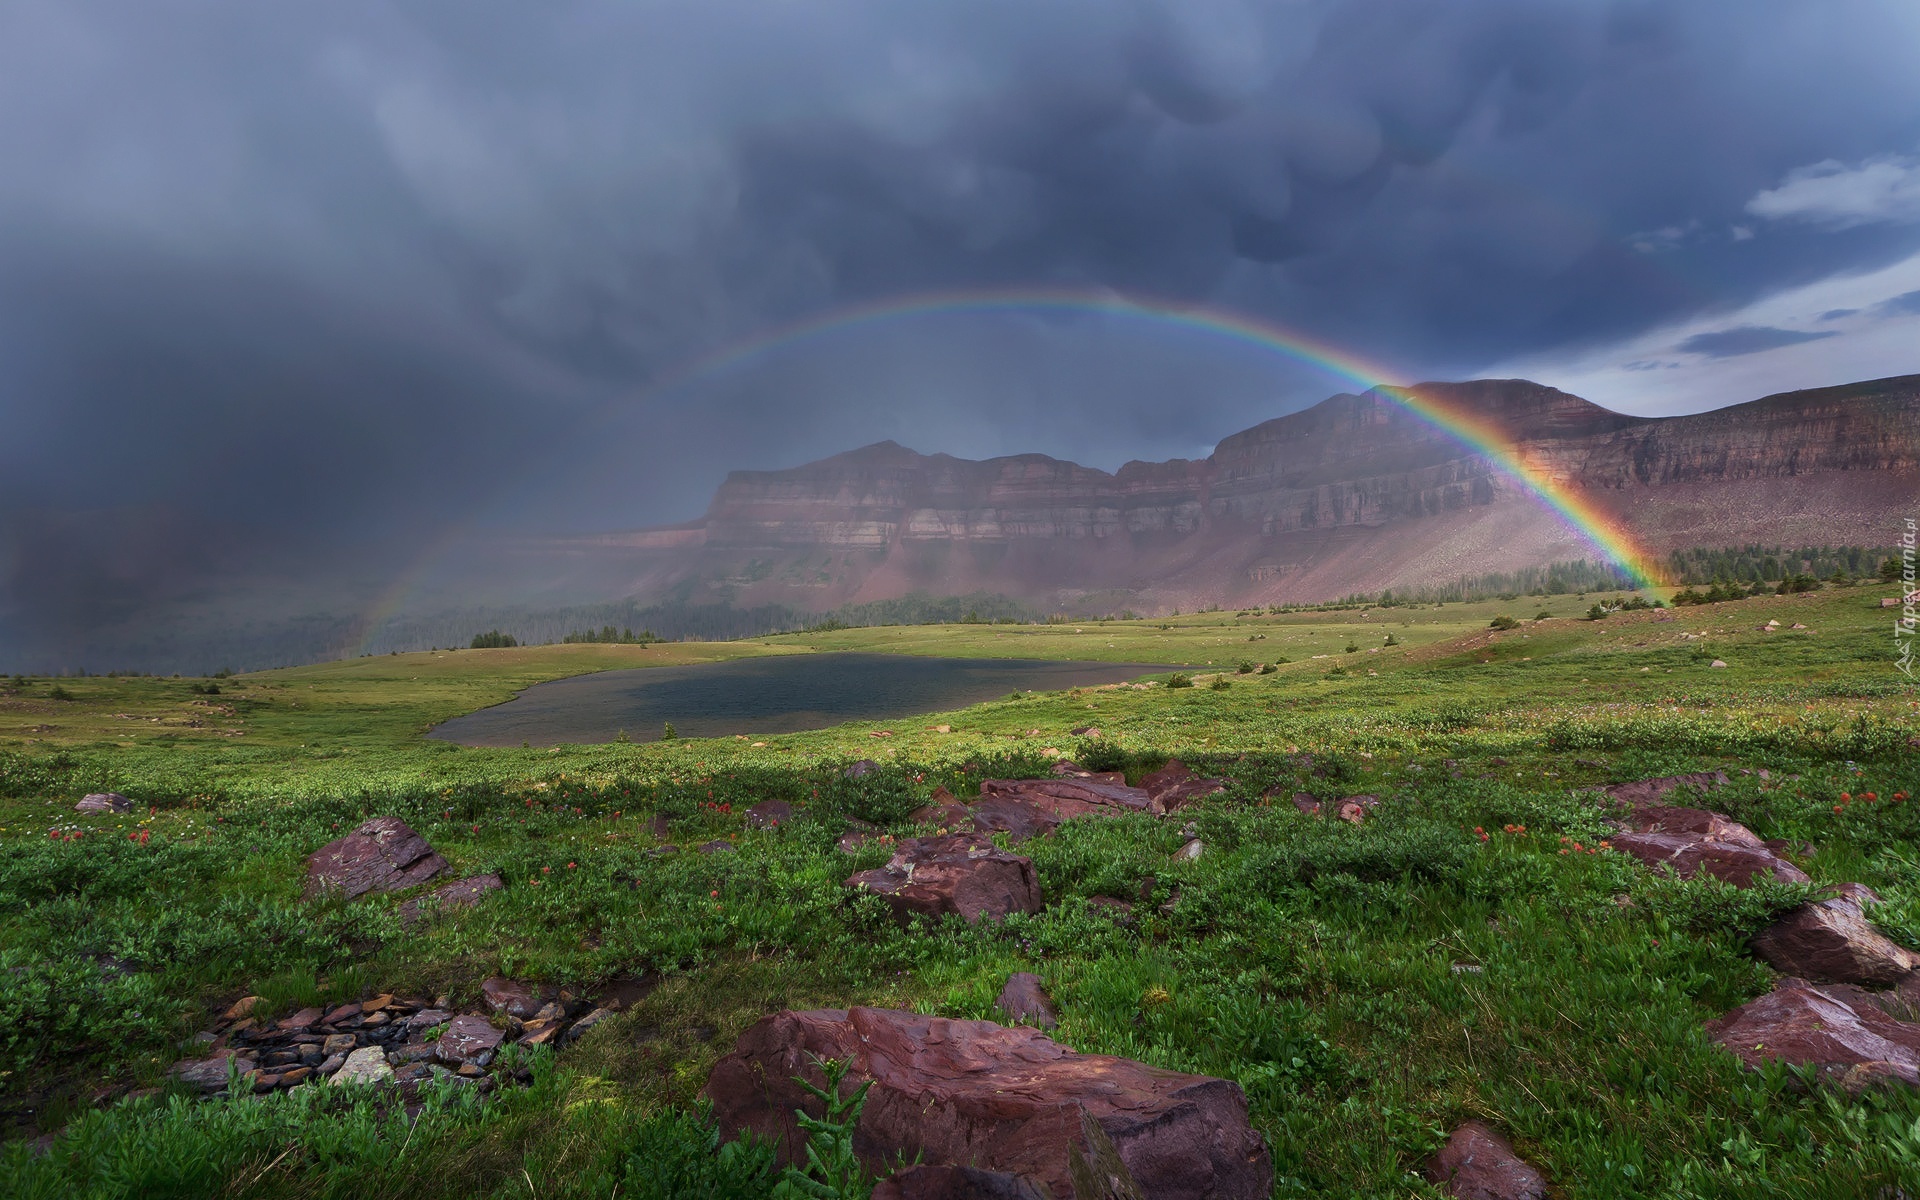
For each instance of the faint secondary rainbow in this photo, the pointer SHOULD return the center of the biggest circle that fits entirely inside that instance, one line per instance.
(1607, 535)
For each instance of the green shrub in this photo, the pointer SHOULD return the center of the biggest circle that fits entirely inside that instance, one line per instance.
(677, 1154)
(1503, 622)
(1178, 680)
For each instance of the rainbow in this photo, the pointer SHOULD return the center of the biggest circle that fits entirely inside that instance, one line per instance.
(1607, 535)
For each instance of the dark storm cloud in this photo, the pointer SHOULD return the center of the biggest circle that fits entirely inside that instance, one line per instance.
(329, 276)
(1746, 339)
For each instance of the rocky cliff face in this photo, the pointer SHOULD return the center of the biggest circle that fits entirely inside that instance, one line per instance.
(1355, 493)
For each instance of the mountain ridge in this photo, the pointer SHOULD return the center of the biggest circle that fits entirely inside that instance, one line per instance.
(1355, 493)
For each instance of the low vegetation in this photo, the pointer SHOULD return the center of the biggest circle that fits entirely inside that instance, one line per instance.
(1469, 951)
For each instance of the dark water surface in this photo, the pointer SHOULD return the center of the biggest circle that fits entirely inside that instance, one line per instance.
(781, 694)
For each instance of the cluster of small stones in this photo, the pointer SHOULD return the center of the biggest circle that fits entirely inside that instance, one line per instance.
(385, 1040)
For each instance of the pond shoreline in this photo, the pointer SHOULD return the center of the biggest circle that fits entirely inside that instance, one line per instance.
(765, 696)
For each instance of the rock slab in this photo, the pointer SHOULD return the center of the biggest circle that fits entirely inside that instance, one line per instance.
(1175, 786)
(366, 1065)
(383, 855)
(468, 1039)
(1827, 1028)
(516, 999)
(1693, 841)
(461, 893)
(1831, 941)
(112, 802)
(770, 814)
(1648, 791)
(994, 1098)
(963, 874)
(1479, 1164)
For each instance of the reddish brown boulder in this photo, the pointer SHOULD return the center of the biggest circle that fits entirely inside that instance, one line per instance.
(1088, 793)
(1022, 819)
(941, 811)
(1175, 786)
(1479, 1164)
(211, 1074)
(994, 1098)
(516, 999)
(1799, 1023)
(925, 1182)
(1024, 1000)
(1068, 769)
(461, 893)
(305, 1018)
(1689, 855)
(383, 855)
(769, 814)
(468, 1040)
(1647, 791)
(965, 874)
(112, 802)
(1694, 822)
(1831, 941)
(1306, 803)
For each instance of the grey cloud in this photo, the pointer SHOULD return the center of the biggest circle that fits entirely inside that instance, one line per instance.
(1906, 302)
(1835, 314)
(344, 276)
(1746, 339)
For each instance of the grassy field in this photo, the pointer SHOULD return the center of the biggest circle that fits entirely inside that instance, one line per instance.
(1311, 961)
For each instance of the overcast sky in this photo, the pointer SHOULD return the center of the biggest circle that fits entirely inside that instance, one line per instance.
(349, 275)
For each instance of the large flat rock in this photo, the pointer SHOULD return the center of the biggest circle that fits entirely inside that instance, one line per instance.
(1831, 941)
(995, 1098)
(384, 854)
(963, 874)
(1827, 1028)
(1479, 1164)
(1091, 793)
(1690, 855)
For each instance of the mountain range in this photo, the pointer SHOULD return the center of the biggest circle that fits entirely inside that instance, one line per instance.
(1357, 493)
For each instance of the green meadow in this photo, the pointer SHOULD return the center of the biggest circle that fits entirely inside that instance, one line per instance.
(1369, 986)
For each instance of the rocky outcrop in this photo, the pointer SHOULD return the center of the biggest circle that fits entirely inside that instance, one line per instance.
(770, 814)
(1000, 1099)
(1643, 792)
(962, 874)
(448, 897)
(1831, 941)
(1479, 1164)
(383, 855)
(1174, 786)
(1693, 841)
(99, 802)
(1827, 1028)
(1071, 797)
